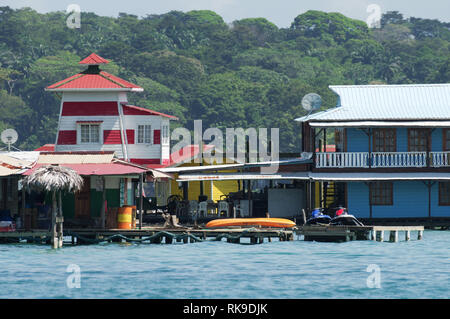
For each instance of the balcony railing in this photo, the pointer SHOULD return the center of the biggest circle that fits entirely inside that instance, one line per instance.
(382, 159)
(394, 159)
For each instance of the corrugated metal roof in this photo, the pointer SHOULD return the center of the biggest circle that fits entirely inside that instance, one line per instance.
(388, 102)
(93, 59)
(99, 169)
(243, 176)
(76, 158)
(344, 177)
(13, 163)
(375, 176)
(5, 171)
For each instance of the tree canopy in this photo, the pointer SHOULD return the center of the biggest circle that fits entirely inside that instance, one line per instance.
(193, 65)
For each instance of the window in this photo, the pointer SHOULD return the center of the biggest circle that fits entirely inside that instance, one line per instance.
(90, 133)
(446, 139)
(418, 140)
(382, 193)
(384, 140)
(144, 134)
(165, 134)
(444, 193)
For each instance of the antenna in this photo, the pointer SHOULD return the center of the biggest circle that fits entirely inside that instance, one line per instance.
(9, 137)
(311, 102)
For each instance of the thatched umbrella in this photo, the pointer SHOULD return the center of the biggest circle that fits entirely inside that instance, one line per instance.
(55, 179)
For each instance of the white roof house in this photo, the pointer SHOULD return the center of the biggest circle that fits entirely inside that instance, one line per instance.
(383, 105)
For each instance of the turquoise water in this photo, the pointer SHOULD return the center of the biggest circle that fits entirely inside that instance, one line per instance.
(297, 269)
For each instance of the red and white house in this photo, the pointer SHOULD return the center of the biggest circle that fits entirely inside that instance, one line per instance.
(95, 116)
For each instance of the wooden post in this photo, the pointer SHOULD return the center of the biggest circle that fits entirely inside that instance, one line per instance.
(373, 235)
(60, 223)
(141, 200)
(102, 213)
(419, 234)
(407, 235)
(393, 236)
(380, 235)
(54, 212)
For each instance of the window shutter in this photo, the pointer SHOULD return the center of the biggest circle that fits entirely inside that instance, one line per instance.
(157, 137)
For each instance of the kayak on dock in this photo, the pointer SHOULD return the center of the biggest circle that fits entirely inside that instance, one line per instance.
(263, 222)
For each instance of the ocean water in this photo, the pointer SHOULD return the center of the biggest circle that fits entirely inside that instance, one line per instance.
(287, 270)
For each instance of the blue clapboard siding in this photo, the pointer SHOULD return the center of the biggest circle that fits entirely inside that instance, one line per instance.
(410, 200)
(358, 141)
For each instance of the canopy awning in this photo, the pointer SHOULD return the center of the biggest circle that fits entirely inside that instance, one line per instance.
(373, 176)
(243, 176)
(319, 176)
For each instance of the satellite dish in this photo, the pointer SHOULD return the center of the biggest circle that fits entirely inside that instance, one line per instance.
(9, 136)
(311, 102)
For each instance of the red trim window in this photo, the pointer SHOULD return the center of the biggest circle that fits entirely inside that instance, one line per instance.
(382, 193)
(444, 193)
(89, 133)
(384, 140)
(144, 134)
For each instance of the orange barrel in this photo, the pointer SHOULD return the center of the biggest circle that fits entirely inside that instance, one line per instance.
(124, 217)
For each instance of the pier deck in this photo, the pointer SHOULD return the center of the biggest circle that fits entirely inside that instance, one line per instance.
(155, 235)
(347, 233)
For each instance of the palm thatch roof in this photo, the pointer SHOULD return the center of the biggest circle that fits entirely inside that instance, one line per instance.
(54, 178)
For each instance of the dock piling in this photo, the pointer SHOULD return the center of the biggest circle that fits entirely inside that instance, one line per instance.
(393, 236)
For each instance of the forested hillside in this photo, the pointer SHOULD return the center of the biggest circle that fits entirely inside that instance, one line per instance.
(193, 65)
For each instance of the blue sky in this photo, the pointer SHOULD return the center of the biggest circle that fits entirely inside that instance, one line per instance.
(280, 12)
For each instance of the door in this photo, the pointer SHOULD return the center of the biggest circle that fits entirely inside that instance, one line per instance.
(83, 200)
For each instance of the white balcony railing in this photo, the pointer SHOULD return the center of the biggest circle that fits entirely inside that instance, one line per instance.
(399, 159)
(440, 159)
(342, 159)
(381, 159)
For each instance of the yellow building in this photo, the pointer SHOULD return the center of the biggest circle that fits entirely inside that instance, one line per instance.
(212, 189)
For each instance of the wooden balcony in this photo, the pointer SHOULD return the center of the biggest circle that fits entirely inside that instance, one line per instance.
(382, 159)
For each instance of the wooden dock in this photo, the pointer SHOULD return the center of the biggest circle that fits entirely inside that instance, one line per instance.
(328, 233)
(152, 235)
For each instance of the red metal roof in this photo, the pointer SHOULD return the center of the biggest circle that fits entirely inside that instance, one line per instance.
(93, 59)
(102, 80)
(137, 110)
(46, 148)
(97, 169)
(93, 78)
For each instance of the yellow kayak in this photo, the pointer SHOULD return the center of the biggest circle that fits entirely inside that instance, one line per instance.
(263, 222)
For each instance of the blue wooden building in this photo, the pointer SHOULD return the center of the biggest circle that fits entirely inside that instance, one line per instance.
(392, 154)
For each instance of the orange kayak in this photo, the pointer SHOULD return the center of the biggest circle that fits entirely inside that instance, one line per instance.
(263, 222)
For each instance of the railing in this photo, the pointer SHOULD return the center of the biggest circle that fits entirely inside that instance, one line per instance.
(342, 159)
(382, 159)
(440, 159)
(399, 159)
